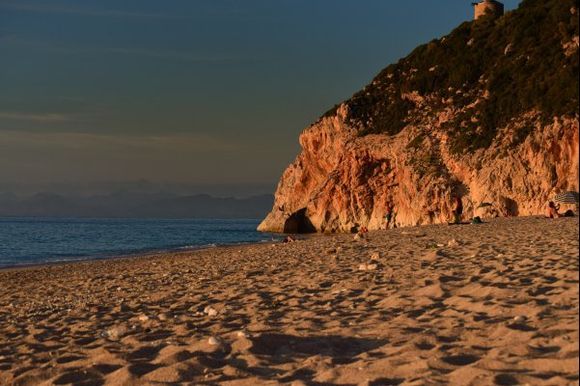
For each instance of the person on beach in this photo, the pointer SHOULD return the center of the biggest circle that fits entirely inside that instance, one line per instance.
(552, 210)
(361, 233)
(476, 220)
(388, 215)
(458, 210)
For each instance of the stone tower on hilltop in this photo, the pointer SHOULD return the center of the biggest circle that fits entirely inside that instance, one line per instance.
(487, 6)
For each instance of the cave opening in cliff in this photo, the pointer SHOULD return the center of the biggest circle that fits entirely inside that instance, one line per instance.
(298, 222)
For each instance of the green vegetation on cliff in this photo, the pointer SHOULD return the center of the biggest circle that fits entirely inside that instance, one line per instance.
(513, 64)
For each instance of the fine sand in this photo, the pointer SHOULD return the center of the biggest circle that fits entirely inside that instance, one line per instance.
(486, 304)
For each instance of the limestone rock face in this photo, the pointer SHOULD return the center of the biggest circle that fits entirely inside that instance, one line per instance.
(341, 180)
(488, 113)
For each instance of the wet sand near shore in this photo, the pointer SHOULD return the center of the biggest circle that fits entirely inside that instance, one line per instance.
(495, 303)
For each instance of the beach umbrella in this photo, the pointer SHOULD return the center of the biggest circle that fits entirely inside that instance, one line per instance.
(567, 198)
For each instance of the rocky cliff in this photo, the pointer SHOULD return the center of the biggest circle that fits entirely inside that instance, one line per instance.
(488, 113)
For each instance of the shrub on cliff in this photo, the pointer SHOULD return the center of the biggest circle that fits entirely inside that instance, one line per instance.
(517, 61)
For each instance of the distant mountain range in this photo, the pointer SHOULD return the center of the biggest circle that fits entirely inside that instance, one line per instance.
(125, 204)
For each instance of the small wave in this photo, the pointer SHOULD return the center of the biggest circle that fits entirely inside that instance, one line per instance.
(212, 245)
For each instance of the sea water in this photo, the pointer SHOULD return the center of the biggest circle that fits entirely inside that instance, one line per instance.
(25, 241)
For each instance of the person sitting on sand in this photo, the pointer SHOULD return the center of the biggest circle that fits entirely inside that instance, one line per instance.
(362, 232)
(288, 239)
(458, 210)
(476, 220)
(552, 211)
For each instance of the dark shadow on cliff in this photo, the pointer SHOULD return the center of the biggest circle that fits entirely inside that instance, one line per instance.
(298, 222)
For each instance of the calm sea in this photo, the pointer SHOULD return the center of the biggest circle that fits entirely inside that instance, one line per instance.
(44, 240)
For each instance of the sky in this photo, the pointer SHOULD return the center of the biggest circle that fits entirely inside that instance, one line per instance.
(207, 94)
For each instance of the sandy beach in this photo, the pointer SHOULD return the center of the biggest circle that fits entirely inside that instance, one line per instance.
(495, 303)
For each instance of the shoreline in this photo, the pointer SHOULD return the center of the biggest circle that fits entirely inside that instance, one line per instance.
(164, 251)
(479, 304)
(137, 255)
(59, 254)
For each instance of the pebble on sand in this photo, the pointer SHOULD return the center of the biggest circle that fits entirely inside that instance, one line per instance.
(163, 317)
(453, 243)
(367, 267)
(210, 311)
(115, 333)
(214, 341)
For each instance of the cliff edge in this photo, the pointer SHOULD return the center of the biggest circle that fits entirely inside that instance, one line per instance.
(489, 112)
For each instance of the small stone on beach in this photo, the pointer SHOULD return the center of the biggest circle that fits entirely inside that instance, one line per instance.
(162, 317)
(214, 341)
(453, 243)
(367, 267)
(210, 311)
(115, 333)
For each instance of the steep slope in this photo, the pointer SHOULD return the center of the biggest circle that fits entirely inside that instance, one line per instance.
(489, 112)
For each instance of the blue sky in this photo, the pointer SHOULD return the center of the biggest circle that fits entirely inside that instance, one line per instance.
(187, 91)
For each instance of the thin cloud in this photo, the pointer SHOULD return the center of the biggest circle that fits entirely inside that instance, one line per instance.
(185, 56)
(45, 8)
(151, 143)
(43, 118)
(178, 55)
